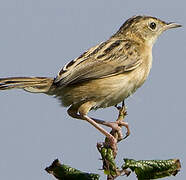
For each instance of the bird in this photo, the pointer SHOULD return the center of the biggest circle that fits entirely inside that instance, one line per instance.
(104, 75)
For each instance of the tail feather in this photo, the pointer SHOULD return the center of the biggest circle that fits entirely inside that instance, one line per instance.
(31, 84)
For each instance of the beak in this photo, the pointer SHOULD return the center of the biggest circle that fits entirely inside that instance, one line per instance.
(172, 25)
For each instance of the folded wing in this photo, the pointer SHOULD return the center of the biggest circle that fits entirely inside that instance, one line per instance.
(106, 59)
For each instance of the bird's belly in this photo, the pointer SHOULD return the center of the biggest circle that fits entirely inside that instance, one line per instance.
(121, 88)
(104, 92)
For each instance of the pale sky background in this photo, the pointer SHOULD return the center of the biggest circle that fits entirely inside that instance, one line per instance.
(37, 37)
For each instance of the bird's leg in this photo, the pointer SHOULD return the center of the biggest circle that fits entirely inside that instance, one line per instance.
(114, 125)
(83, 111)
(117, 125)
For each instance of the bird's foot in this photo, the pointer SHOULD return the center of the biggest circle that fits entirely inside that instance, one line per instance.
(117, 129)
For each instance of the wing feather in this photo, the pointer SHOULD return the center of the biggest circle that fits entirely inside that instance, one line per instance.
(106, 59)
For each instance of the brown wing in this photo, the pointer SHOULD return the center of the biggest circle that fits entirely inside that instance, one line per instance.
(106, 59)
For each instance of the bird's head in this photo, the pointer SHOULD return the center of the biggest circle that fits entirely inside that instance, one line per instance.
(145, 28)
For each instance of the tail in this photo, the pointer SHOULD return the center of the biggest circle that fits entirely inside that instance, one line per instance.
(30, 84)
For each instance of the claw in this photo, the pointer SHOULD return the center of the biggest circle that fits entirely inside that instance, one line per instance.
(126, 136)
(118, 107)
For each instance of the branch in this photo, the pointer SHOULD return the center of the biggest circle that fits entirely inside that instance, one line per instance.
(151, 169)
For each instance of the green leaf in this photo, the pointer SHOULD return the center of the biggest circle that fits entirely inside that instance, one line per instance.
(64, 172)
(153, 169)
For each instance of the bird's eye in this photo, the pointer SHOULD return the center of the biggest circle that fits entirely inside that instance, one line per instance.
(152, 25)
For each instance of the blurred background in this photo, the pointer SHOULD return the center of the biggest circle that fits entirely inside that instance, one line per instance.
(37, 38)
